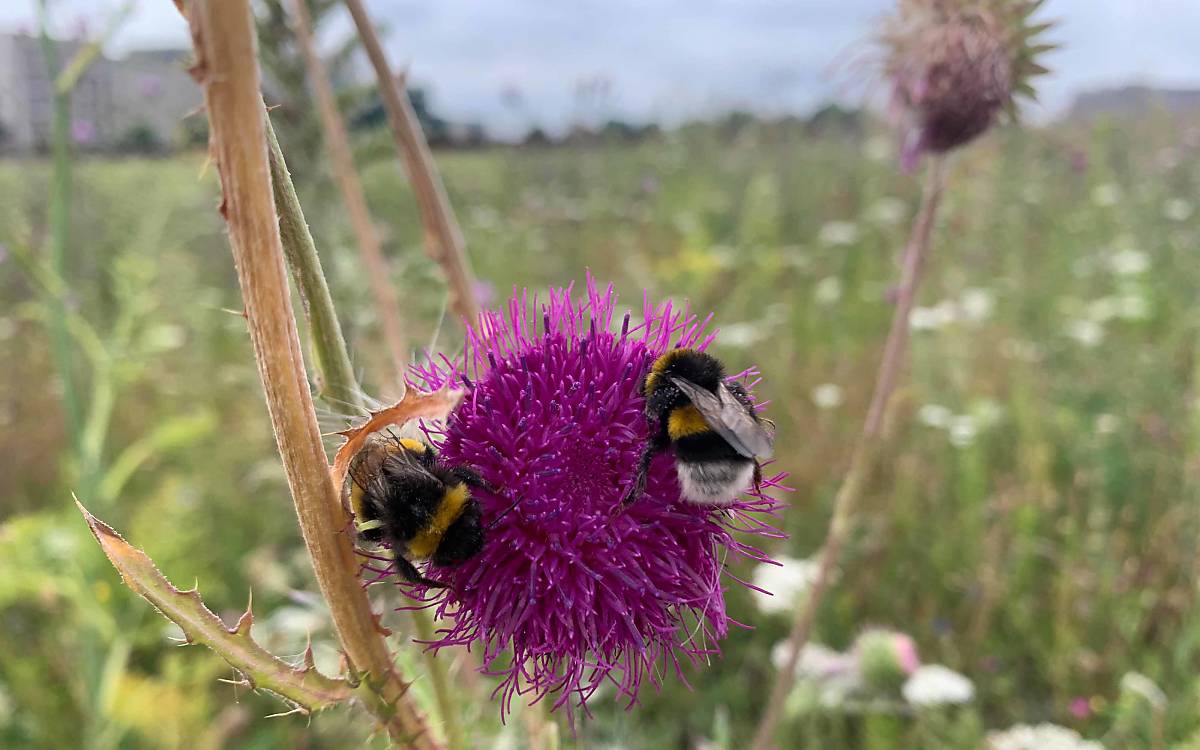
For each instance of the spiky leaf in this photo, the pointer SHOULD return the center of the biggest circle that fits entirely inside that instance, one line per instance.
(306, 689)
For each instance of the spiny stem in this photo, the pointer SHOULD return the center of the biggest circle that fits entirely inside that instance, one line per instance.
(443, 237)
(341, 161)
(339, 387)
(227, 68)
(862, 460)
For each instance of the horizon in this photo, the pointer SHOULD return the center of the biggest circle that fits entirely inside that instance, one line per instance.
(522, 64)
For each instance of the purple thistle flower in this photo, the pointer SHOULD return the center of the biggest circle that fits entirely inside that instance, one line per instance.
(571, 589)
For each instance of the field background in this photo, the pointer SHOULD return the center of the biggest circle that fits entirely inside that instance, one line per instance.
(1033, 525)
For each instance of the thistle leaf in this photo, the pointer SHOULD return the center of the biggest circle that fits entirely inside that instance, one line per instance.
(414, 405)
(306, 689)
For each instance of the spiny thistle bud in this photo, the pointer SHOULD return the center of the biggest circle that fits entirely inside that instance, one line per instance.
(955, 65)
(571, 589)
(885, 659)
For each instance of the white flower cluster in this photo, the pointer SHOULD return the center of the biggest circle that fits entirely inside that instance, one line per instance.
(935, 685)
(787, 582)
(1039, 737)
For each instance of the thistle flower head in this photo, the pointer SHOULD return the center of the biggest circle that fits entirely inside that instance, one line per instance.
(572, 589)
(955, 65)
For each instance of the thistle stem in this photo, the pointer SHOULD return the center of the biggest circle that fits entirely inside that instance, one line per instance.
(443, 238)
(337, 385)
(227, 68)
(341, 161)
(862, 459)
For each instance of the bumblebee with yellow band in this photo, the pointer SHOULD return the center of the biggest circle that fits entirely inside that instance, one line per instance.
(400, 495)
(717, 436)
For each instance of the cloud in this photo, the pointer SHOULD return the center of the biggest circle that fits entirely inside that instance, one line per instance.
(671, 59)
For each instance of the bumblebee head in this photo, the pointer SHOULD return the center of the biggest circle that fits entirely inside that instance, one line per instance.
(702, 369)
(463, 539)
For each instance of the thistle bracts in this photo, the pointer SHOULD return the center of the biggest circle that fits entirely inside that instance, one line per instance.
(954, 66)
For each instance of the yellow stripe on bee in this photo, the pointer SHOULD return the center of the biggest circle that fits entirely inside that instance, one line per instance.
(416, 446)
(684, 421)
(449, 509)
(661, 364)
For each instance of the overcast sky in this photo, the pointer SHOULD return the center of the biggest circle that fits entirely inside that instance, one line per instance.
(670, 59)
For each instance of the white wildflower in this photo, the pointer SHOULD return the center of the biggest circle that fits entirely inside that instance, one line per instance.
(1145, 688)
(825, 395)
(931, 318)
(1132, 307)
(815, 662)
(838, 233)
(935, 415)
(1039, 737)
(963, 430)
(1106, 424)
(977, 304)
(742, 335)
(787, 582)
(828, 290)
(1129, 262)
(1087, 332)
(1177, 209)
(935, 685)
(1106, 195)
(888, 211)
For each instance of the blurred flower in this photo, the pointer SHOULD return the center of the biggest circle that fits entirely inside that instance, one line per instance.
(963, 430)
(786, 582)
(878, 148)
(1087, 332)
(815, 661)
(828, 290)
(935, 415)
(1141, 686)
(1106, 424)
(977, 304)
(838, 233)
(1080, 707)
(955, 66)
(83, 131)
(935, 685)
(485, 292)
(150, 86)
(572, 590)
(1129, 262)
(888, 211)
(1078, 160)
(827, 396)
(885, 658)
(1039, 737)
(932, 318)
(1177, 209)
(742, 335)
(1106, 195)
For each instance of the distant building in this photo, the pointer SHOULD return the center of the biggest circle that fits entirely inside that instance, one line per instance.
(136, 102)
(1133, 101)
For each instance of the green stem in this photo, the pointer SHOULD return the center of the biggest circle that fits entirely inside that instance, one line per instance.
(337, 385)
(339, 388)
(440, 680)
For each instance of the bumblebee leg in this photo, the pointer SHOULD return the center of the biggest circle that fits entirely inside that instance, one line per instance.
(412, 575)
(757, 476)
(656, 444)
(471, 478)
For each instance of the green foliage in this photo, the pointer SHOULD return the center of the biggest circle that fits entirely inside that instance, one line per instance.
(1032, 525)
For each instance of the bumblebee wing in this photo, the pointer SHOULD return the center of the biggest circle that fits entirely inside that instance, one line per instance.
(729, 418)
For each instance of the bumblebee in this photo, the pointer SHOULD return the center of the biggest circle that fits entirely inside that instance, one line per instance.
(401, 495)
(711, 423)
